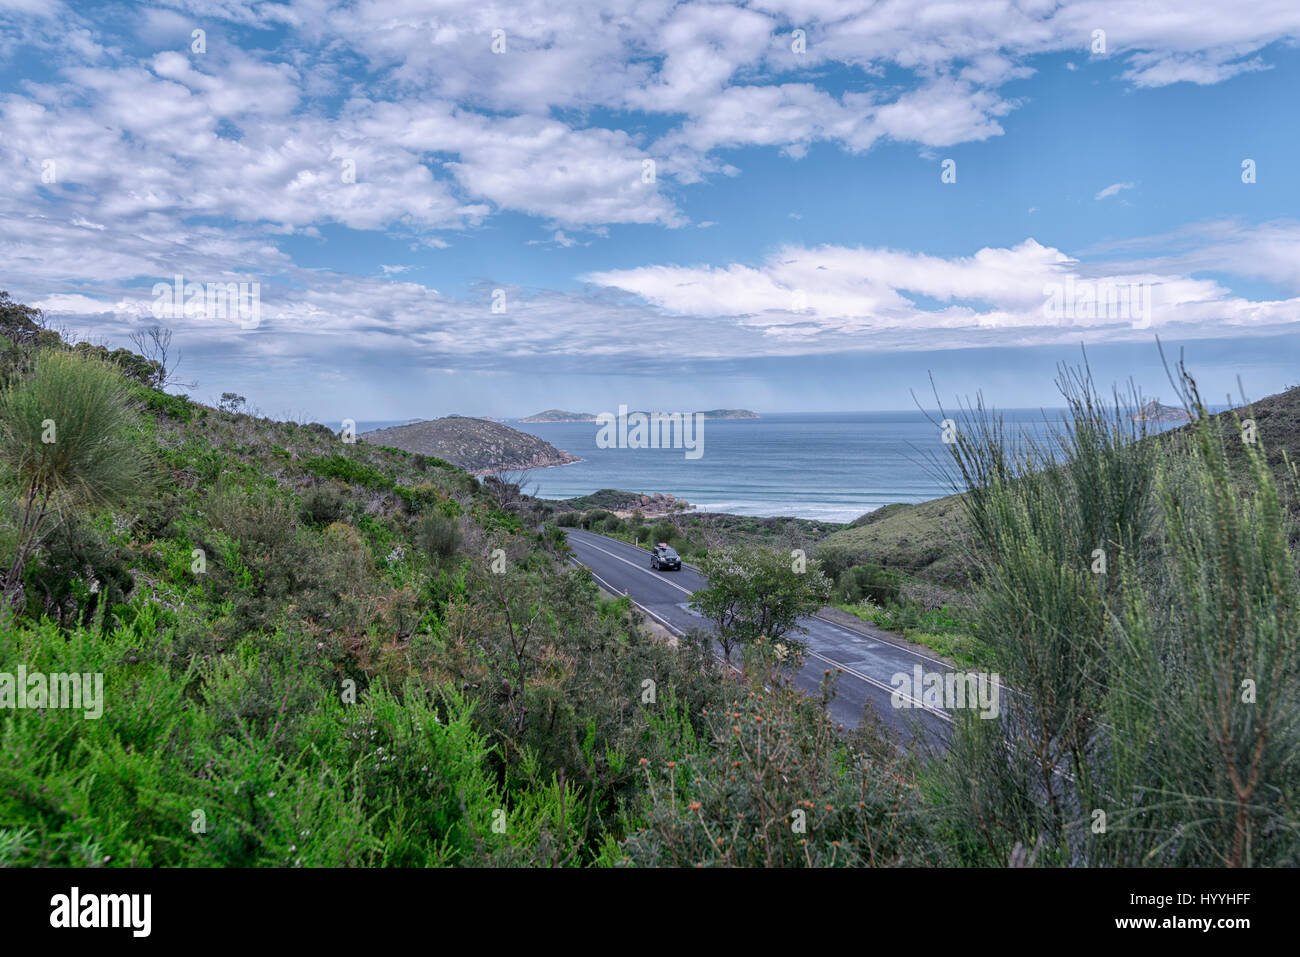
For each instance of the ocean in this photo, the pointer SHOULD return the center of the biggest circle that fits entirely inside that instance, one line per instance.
(832, 466)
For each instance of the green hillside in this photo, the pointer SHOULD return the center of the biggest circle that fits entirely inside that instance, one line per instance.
(300, 651)
(926, 539)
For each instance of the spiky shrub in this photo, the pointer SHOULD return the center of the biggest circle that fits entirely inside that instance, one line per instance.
(1208, 727)
(1129, 586)
(438, 536)
(68, 435)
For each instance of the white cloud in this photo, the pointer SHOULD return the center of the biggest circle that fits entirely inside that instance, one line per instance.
(817, 296)
(1112, 189)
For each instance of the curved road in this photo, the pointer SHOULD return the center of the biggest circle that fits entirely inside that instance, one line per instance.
(867, 663)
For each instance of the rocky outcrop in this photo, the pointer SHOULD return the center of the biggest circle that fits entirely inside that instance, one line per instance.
(1153, 411)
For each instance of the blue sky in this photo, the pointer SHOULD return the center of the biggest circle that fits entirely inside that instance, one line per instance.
(795, 249)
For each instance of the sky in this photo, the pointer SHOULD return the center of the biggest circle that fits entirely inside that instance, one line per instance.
(786, 205)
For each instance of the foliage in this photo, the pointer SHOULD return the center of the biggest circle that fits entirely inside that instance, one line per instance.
(1142, 601)
(867, 582)
(773, 784)
(755, 592)
(67, 440)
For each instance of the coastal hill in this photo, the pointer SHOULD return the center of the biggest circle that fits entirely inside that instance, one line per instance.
(926, 539)
(559, 415)
(476, 445)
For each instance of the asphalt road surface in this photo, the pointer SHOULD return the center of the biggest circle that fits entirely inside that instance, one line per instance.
(867, 663)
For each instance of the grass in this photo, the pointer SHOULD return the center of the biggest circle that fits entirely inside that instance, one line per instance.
(921, 540)
(945, 631)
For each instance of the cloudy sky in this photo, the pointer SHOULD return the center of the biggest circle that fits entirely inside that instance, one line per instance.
(493, 208)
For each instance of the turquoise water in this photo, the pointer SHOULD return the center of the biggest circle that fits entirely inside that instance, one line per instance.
(833, 466)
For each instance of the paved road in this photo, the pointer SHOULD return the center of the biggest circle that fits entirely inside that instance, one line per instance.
(868, 663)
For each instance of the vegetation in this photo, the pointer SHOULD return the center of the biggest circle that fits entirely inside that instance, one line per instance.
(1142, 601)
(318, 653)
(65, 441)
(924, 540)
(755, 593)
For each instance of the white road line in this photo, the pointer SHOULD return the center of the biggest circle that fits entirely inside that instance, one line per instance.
(685, 591)
(916, 702)
(833, 624)
(614, 591)
(892, 644)
(830, 661)
(663, 621)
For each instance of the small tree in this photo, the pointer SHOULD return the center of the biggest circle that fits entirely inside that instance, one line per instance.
(66, 442)
(756, 592)
(155, 346)
(231, 402)
(509, 489)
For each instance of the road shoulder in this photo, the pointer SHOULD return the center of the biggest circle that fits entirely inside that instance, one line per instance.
(868, 630)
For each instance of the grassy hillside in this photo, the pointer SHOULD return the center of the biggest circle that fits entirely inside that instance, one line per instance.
(925, 540)
(919, 540)
(315, 653)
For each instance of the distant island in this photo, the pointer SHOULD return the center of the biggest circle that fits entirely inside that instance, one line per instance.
(1153, 411)
(457, 415)
(560, 415)
(476, 445)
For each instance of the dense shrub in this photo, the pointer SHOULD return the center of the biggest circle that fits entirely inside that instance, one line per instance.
(769, 783)
(1128, 589)
(69, 438)
(347, 470)
(437, 536)
(322, 506)
(835, 561)
(665, 531)
(868, 582)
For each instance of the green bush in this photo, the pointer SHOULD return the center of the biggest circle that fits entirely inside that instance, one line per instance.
(835, 561)
(665, 531)
(437, 536)
(68, 439)
(869, 582)
(1129, 588)
(177, 407)
(348, 470)
(322, 505)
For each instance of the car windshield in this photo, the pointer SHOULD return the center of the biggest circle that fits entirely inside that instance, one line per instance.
(667, 553)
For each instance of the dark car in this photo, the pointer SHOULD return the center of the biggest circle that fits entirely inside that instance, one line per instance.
(664, 558)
